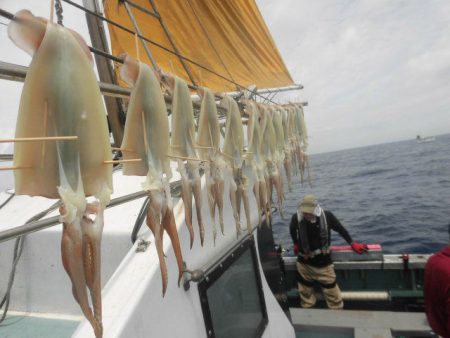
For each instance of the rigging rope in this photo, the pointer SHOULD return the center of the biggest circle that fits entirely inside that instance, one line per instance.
(59, 12)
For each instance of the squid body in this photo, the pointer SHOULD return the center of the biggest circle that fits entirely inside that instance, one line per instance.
(256, 160)
(183, 147)
(208, 140)
(61, 97)
(278, 157)
(287, 148)
(270, 152)
(146, 137)
(233, 150)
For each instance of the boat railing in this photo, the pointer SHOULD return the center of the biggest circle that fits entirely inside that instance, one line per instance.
(41, 224)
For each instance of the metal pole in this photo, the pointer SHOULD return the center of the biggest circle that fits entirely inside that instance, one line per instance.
(172, 42)
(280, 89)
(105, 69)
(12, 72)
(143, 9)
(52, 221)
(138, 31)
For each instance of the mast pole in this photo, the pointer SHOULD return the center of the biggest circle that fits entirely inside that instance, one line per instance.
(105, 69)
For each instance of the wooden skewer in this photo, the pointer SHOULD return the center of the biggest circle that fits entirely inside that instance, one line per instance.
(45, 132)
(52, 10)
(186, 158)
(136, 41)
(229, 156)
(203, 147)
(45, 138)
(124, 149)
(122, 161)
(144, 130)
(14, 168)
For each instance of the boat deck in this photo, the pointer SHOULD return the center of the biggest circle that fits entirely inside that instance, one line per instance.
(310, 323)
(27, 325)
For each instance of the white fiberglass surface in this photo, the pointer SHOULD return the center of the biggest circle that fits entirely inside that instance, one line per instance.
(133, 305)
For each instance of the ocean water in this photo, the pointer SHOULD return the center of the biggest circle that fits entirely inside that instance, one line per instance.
(396, 195)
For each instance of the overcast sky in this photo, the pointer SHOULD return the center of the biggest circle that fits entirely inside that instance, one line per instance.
(374, 71)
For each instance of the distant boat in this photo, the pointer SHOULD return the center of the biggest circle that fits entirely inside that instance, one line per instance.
(425, 139)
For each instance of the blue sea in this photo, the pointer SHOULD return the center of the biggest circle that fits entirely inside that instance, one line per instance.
(395, 194)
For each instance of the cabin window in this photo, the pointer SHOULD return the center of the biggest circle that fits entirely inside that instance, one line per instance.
(232, 297)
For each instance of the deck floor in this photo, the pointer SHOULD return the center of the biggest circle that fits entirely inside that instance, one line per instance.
(27, 326)
(311, 323)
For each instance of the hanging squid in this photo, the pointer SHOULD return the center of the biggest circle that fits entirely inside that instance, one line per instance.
(303, 141)
(287, 149)
(182, 148)
(278, 156)
(146, 137)
(61, 98)
(233, 151)
(256, 161)
(266, 156)
(293, 140)
(270, 151)
(208, 140)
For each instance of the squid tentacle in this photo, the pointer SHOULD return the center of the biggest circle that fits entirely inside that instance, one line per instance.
(92, 228)
(153, 222)
(211, 193)
(233, 191)
(170, 226)
(186, 196)
(196, 192)
(72, 259)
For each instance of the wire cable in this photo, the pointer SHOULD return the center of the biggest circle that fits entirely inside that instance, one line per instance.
(7, 200)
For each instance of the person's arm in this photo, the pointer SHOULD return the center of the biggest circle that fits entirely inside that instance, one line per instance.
(334, 224)
(293, 226)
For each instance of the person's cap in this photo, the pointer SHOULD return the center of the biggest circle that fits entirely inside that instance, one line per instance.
(308, 204)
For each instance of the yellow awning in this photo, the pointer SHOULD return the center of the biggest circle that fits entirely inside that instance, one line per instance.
(229, 37)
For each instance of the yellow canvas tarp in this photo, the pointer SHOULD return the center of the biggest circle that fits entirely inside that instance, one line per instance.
(229, 37)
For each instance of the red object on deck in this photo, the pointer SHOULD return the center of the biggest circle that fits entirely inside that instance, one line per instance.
(349, 248)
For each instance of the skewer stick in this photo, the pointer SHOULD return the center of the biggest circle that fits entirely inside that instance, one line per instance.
(14, 167)
(45, 138)
(186, 158)
(123, 161)
(124, 149)
(52, 10)
(227, 155)
(45, 132)
(144, 131)
(203, 147)
(136, 42)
